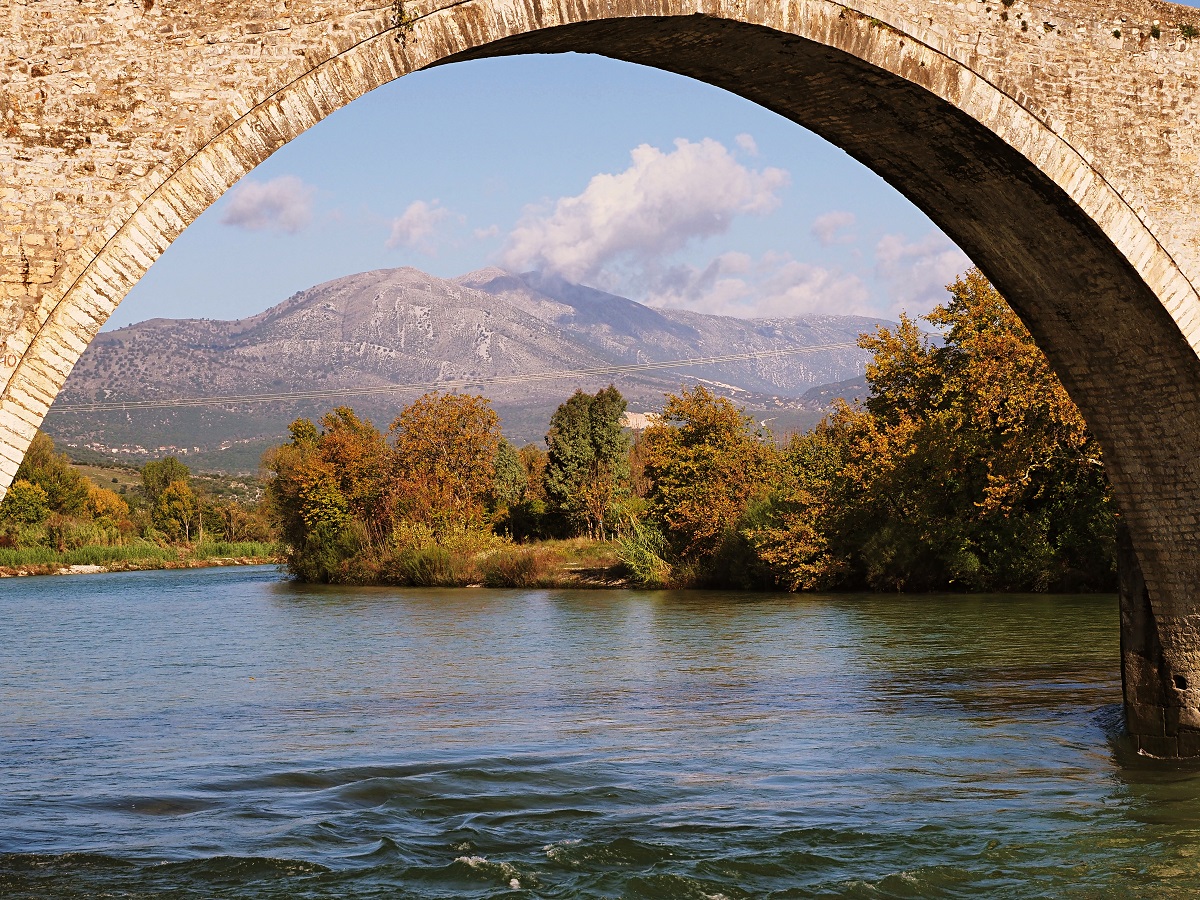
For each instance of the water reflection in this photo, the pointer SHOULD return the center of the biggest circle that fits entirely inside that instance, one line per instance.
(225, 734)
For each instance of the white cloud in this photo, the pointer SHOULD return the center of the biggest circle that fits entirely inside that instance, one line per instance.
(909, 276)
(484, 233)
(639, 217)
(830, 228)
(417, 225)
(774, 285)
(747, 144)
(915, 272)
(281, 204)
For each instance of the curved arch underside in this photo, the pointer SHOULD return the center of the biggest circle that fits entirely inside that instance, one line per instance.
(1098, 263)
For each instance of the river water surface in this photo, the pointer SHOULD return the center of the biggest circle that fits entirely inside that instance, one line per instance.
(225, 733)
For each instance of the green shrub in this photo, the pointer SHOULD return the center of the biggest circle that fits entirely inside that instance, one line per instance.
(640, 551)
(325, 549)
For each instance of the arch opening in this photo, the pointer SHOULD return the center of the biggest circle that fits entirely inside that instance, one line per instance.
(1115, 313)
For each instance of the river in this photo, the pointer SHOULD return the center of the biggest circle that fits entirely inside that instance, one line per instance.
(225, 733)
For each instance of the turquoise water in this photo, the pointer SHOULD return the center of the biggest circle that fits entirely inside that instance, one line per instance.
(224, 733)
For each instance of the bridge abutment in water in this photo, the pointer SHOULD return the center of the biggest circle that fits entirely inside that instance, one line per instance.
(1159, 698)
(1053, 140)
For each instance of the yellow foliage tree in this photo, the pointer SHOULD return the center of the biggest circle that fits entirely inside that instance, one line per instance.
(968, 468)
(105, 504)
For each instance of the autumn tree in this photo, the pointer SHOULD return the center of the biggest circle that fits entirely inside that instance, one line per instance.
(444, 461)
(534, 461)
(587, 465)
(327, 492)
(103, 504)
(968, 468)
(706, 461)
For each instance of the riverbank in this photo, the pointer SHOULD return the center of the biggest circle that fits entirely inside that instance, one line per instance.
(561, 564)
(90, 560)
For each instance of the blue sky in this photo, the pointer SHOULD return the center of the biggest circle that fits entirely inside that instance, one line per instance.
(631, 179)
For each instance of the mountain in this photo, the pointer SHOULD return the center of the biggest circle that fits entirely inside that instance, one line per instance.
(511, 337)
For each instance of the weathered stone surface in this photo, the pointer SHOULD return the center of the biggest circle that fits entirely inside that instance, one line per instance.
(1054, 140)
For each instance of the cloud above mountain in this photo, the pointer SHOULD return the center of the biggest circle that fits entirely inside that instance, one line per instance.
(628, 232)
(417, 226)
(909, 276)
(637, 218)
(771, 285)
(282, 204)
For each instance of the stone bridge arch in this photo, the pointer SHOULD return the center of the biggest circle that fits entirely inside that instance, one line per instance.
(1053, 140)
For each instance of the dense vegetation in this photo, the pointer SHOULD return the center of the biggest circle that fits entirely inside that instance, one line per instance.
(967, 468)
(54, 514)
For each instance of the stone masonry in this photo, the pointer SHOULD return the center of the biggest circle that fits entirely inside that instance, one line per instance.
(1055, 140)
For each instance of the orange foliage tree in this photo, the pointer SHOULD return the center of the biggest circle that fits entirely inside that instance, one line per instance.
(444, 461)
(968, 468)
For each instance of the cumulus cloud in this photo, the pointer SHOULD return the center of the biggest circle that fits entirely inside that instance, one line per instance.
(831, 228)
(909, 275)
(417, 226)
(915, 272)
(773, 285)
(747, 144)
(639, 217)
(281, 204)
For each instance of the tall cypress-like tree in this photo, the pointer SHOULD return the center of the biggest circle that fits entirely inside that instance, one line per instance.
(588, 463)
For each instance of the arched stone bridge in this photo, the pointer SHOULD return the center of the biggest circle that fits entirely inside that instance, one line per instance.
(1056, 141)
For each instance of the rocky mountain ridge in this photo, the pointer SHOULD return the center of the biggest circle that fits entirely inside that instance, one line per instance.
(405, 329)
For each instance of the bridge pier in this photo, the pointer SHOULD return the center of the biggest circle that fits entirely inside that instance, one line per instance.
(1158, 667)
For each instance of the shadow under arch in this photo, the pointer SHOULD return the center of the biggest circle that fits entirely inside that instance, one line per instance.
(1115, 314)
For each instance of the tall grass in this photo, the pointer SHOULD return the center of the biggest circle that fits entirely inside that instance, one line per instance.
(86, 556)
(641, 552)
(522, 567)
(137, 552)
(227, 550)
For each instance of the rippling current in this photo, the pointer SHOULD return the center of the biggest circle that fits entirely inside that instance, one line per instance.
(224, 733)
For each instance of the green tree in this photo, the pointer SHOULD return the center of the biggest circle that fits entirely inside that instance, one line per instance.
(159, 474)
(66, 489)
(587, 466)
(25, 504)
(511, 479)
(177, 512)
